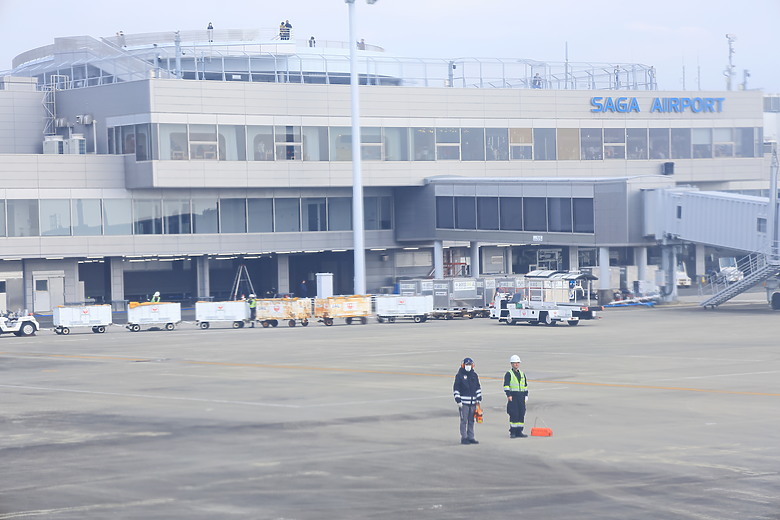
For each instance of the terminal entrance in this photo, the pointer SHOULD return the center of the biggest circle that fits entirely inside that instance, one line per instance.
(306, 266)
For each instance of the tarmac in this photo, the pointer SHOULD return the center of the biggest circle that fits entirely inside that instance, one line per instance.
(668, 412)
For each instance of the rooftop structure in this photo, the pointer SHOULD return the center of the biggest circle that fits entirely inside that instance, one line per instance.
(263, 56)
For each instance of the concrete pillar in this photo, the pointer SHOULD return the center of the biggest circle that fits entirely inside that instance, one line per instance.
(438, 260)
(669, 265)
(116, 268)
(605, 282)
(574, 258)
(640, 254)
(203, 281)
(283, 274)
(701, 269)
(475, 267)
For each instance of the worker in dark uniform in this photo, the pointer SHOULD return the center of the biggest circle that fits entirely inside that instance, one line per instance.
(468, 393)
(252, 309)
(516, 389)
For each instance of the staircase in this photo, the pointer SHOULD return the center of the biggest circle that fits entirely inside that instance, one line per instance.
(757, 268)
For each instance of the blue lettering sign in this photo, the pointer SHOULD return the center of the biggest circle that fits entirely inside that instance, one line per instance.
(680, 105)
(608, 104)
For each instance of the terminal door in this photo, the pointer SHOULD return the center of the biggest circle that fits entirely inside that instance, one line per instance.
(48, 292)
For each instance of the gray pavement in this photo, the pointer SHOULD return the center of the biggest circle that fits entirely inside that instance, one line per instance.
(667, 412)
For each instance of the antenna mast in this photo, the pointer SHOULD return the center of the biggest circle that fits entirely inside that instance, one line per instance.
(729, 72)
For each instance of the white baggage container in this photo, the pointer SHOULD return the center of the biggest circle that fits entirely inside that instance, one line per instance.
(166, 314)
(236, 312)
(418, 308)
(96, 316)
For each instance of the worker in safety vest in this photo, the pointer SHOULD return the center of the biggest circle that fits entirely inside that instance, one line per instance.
(252, 309)
(468, 393)
(156, 297)
(516, 389)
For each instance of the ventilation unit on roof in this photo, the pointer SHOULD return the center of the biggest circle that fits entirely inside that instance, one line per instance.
(53, 145)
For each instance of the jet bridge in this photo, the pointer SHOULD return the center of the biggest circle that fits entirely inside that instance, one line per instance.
(739, 222)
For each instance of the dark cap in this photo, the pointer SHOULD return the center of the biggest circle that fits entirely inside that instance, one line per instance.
(468, 361)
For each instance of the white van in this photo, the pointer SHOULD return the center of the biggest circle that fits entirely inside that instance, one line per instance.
(683, 280)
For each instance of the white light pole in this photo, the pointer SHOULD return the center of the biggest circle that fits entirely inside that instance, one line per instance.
(358, 232)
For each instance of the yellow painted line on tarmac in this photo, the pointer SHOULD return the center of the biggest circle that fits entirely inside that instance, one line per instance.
(392, 372)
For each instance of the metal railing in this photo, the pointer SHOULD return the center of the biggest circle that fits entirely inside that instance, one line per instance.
(754, 268)
(259, 55)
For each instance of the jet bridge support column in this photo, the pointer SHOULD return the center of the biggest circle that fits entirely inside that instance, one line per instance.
(669, 265)
(640, 254)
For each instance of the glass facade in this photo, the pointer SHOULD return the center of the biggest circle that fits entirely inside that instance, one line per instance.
(176, 216)
(85, 215)
(22, 217)
(544, 214)
(55, 217)
(117, 217)
(377, 213)
(322, 143)
(260, 215)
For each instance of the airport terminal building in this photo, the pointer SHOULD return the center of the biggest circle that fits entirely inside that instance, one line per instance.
(162, 162)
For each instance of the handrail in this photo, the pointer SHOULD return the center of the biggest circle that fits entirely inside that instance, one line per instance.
(747, 265)
(235, 45)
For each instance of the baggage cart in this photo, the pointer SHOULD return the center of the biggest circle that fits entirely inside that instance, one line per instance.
(272, 311)
(153, 315)
(354, 309)
(234, 312)
(417, 308)
(96, 316)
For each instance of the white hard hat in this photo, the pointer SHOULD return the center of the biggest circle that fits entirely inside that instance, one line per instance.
(252, 295)
(514, 359)
(157, 293)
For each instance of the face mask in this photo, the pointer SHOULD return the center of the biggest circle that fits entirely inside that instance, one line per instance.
(467, 368)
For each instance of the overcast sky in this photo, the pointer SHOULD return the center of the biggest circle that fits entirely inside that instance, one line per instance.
(668, 34)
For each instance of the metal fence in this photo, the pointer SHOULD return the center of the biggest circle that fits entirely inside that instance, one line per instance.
(260, 56)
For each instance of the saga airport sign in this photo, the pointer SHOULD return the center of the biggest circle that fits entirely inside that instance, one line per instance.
(666, 104)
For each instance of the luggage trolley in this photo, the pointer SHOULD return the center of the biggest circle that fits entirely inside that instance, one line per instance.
(418, 308)
(96, 316)
(271, 311)
(235, 312)
(165, 314)
(354, 309)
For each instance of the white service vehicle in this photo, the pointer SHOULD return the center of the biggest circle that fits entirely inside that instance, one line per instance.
(773, 293)
(683, 280)
(516, 309)
(18, 325)
(728, 271)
